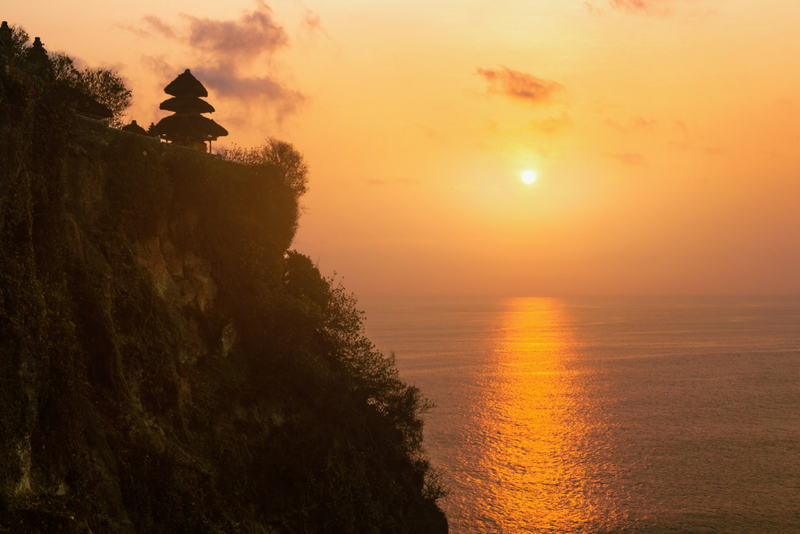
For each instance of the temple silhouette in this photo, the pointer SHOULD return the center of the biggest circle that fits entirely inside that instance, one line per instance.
(36, 62)
(187, 126)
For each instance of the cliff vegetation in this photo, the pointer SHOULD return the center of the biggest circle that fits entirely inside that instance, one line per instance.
(167, 364)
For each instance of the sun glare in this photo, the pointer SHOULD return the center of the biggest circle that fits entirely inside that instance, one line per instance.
(528, 177)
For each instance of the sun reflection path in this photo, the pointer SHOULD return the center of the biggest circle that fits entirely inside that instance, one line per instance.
(537, 473)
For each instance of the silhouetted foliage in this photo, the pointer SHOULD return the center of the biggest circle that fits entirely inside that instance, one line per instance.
(104, 85)
(18, 39)
(302, 426)
(275, 152)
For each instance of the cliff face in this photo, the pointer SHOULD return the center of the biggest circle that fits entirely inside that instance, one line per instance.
(167, 366)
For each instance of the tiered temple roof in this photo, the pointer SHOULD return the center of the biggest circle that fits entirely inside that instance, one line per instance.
(187, 126)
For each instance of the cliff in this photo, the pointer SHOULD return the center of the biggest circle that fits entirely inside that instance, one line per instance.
(167, 365)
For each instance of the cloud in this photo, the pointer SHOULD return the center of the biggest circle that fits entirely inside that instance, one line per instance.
(686, 147)
(614, 124)
(256, 32)
(226, 55)
(226, 82)
(159, 66)
(520, 85)
(159, 26)
(632, 5)
(630, 159)
(635, 123)
(429, 132)
(652, 7)
(551, 125)
(312, 23)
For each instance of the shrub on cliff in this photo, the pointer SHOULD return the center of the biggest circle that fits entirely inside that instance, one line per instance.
(104, 85)
(300, 425)
(349, 457)
(277, 153)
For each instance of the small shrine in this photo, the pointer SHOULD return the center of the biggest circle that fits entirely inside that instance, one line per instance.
(37, 61)
(6, 41)
(134, 128)
(187, 126)
(83, 104)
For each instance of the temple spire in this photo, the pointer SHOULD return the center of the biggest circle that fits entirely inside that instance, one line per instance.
(186, 126)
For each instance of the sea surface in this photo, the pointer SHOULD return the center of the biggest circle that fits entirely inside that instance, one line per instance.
(606, 414)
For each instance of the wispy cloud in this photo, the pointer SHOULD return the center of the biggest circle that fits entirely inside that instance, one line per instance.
(634, 5)
(429, 132)
(255, 33)
(227, 55)
(630, 159)
(657, 7)
(641, 122)
(649, 7)
(159, 66)
(686, 147)
(227, 82)
(312, 23)
(157, 26)
(635, 123)
(551, 126)
(520, 85)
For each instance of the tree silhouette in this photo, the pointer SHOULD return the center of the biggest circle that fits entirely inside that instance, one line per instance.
(104, 85)
(278, 153)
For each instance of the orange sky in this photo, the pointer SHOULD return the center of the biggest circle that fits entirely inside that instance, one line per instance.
(665, 134)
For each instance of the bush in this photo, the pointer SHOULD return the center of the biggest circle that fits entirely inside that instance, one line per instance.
(276, 153)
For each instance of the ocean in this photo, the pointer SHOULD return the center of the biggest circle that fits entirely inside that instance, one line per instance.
(605, 415)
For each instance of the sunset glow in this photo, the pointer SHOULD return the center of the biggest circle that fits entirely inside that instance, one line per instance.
(400, 266)
(657, 117)
(543, 471)
(528, 177)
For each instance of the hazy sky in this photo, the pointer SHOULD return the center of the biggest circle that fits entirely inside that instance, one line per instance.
(665, 134)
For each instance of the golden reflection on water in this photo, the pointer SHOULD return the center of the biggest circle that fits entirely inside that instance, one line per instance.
(536, 477)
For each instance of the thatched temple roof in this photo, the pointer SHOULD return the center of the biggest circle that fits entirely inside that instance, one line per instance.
(193, 126)
(134, 128)
(188, 104)
(82, 103)
(187, 127)
(186, 85)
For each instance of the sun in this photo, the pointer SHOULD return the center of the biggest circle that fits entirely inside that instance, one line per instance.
(528, 177)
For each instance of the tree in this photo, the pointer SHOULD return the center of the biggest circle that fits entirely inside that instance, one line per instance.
(277, 153)
(18, 39)
(104, 85)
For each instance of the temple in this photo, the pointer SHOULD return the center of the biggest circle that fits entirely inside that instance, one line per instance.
(135, 128)
(6, 42)
(36, 62)
(186, 126)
